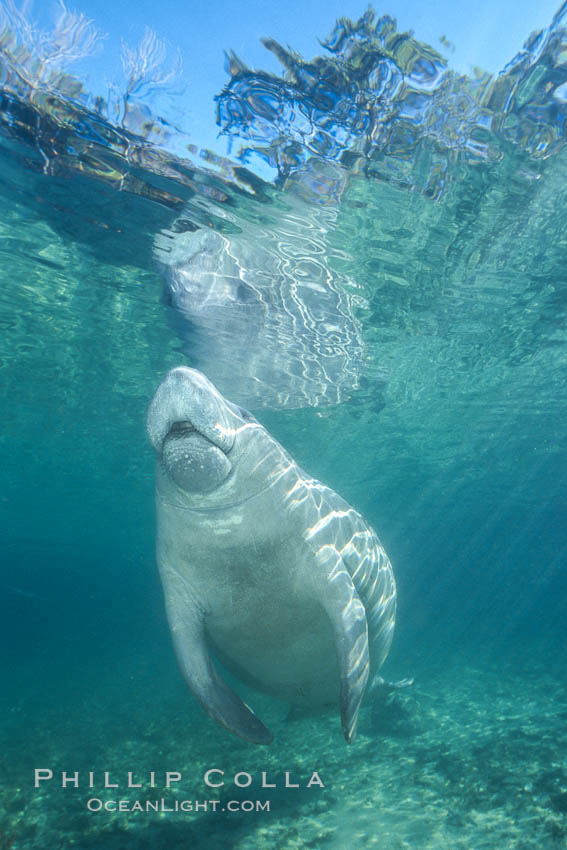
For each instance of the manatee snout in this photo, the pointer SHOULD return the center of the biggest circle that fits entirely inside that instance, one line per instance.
(189, 429)
(186, 398)
(192, 461)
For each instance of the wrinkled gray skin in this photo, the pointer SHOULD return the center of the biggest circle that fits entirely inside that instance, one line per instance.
(261, 566)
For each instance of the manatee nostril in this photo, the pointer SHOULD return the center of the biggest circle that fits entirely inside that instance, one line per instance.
(183, 427)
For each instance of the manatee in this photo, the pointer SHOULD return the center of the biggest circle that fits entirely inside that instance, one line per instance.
(259, 304)
(263, 567)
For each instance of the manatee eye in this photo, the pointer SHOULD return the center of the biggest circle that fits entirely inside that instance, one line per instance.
(246, 415)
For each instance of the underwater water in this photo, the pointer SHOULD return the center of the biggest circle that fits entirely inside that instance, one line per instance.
(377, 269)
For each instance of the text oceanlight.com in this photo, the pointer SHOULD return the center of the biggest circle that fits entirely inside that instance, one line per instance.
(95, 804)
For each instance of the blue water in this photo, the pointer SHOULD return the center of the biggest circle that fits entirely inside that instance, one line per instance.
(418, 217)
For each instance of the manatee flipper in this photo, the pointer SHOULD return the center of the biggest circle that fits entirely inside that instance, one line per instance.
(186, 622)
(337, 594)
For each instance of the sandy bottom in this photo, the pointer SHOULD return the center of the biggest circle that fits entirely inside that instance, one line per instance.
(467, 758)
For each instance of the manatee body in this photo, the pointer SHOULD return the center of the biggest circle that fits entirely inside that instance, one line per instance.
(262, 566)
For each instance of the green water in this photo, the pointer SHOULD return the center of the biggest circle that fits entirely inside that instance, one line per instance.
(453, 448)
